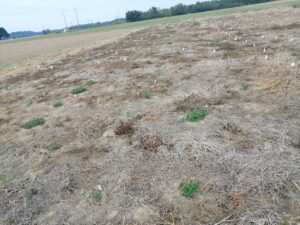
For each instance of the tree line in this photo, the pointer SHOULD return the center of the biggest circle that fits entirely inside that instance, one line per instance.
(23, 34)
(180, 9)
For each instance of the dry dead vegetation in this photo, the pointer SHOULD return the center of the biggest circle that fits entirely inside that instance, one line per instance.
(114, 155)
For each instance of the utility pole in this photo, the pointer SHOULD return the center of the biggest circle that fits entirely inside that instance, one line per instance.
(63, 13)
(75, 10)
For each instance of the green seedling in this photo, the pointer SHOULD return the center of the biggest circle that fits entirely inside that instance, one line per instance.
(188, 189)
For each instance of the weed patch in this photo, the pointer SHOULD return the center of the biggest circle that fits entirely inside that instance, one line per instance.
(78, 90)
(29, 193)
(194, 115)
(244, 87)
(188, 189)
(295, 6)
(57, 104)
(284, 223)
(28, 103)
(147, 95)
(33, 123)
(90, 82)
(6, 182)
(54, 145)
(96, 195)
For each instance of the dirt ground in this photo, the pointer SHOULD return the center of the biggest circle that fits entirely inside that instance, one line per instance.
(121, 151)
(16, 54)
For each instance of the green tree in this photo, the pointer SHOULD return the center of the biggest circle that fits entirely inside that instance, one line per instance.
(132, 16)
(179, 9)
(3, 34)
(152, 13)
(46, 31)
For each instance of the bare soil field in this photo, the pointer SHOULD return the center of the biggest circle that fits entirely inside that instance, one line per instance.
(121, 151)
(36, 50)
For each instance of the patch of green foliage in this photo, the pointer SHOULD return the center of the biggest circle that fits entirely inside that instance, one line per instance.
(115, 88)
(30, 192)
(29, 103)
(78, 90)
(33, 123)
(129, 114)
(285, 222)
(194, 115)
(188, 189)
(244, 87)
(6, 182)
(54, 145)
(296, 6)
(147, 95)
(34, 85)
(57, 104)
(90, 82)
(96, 195)
(227, 67)
(157, 72)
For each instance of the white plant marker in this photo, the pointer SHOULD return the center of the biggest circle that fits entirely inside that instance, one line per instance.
(264, 49)
(293, 64)
(235, 38)
(266, 57)
(125, 59)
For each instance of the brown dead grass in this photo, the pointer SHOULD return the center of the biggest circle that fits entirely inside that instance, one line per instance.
(245, 154)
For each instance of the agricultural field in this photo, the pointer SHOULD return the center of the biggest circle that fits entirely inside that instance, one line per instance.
(193, 122)
(29, 52)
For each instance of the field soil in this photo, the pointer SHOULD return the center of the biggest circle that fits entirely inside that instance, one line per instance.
(33, 51)
(119, 152)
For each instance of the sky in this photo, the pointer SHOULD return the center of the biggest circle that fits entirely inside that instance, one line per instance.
(36, 15)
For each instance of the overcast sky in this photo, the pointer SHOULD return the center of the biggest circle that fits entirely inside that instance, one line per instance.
(17, 15)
